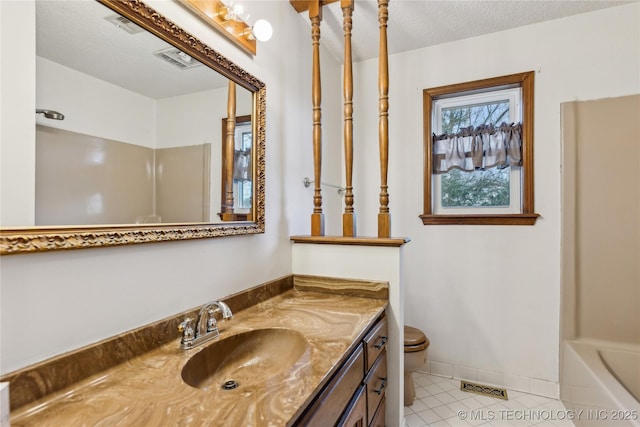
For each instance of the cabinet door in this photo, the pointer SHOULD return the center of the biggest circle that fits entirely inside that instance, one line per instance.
(356, 413)
(378, 418)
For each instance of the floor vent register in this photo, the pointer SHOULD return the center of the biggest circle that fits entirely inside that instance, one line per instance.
(485, 390)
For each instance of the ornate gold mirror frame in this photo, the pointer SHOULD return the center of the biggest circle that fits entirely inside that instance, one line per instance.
(38, 239)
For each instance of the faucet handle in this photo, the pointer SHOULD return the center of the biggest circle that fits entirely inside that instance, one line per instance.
(188, 332)
(212, 323)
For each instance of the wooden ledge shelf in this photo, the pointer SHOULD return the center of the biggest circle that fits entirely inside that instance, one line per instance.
(357, 241)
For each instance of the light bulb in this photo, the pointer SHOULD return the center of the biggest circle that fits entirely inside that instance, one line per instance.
(239, 13)
(262, 30)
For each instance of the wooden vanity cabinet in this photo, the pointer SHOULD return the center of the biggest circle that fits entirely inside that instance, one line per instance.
(356, 413)
(375, 379)
(354, 397)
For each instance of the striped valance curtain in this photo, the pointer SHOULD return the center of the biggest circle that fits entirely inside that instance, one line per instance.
(242, 165)
(478, 148)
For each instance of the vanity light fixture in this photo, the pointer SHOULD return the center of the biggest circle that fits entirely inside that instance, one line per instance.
(230, 19)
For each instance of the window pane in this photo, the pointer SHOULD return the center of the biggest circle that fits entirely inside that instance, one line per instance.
(455, 118)
(488, 188)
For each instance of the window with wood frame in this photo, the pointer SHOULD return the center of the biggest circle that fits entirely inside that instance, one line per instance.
(478, 142)
(242, 167)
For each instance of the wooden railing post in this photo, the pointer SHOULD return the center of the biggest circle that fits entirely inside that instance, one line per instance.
(384, 217)
(317, 217)
(227, 207)
(349, 217)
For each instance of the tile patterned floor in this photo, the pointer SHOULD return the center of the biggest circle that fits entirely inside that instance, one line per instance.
(440, 403)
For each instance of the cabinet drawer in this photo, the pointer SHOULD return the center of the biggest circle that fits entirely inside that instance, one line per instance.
(356, 413)
(378, 418)
(332, 401)
(375, 342)
(376, 383)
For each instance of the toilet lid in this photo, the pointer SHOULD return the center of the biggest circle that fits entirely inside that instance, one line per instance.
(414, 337)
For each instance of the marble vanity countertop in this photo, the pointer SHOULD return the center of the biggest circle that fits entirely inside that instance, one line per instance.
(148, 390)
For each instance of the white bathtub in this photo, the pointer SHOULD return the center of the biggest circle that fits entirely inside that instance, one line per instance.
(589, 385)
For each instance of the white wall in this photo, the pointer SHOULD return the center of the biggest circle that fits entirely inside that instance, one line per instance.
(17, 109)
(72, 298)
(95, 107)
(196, 118)
(299, 155)
(92, 106)
(488, 297)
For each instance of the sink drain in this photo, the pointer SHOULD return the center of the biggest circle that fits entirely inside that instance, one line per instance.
(230, 385)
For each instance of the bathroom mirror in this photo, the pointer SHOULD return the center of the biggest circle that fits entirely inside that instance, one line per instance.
(136, 157)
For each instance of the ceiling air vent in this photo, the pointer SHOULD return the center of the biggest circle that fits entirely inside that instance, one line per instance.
(124, 24)
(177, 58)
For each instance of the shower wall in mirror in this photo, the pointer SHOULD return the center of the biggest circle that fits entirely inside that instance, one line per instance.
(136, 155)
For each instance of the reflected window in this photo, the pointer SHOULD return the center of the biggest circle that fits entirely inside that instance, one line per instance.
(242, 169)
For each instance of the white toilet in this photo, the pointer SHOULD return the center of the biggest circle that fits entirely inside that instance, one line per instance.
(415, 356)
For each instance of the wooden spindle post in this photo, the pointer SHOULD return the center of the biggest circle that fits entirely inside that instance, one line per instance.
(227, 208)
(348, 217)
(317, 217)
(384, 217)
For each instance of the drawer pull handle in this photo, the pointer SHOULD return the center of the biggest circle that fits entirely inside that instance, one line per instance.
(383, 341)
(383, 384)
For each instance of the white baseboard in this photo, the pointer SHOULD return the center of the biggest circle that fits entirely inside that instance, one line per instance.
(500, 379)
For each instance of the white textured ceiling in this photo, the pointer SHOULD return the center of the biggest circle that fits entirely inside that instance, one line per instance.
(74, 33)
(415, 24)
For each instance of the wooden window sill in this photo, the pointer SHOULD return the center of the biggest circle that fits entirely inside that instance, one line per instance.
(499, 219)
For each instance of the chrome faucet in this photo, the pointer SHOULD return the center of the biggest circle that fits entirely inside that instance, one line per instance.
(206, 326)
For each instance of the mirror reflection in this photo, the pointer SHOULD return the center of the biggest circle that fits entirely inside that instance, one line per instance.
(129, 131)
(237, 205)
